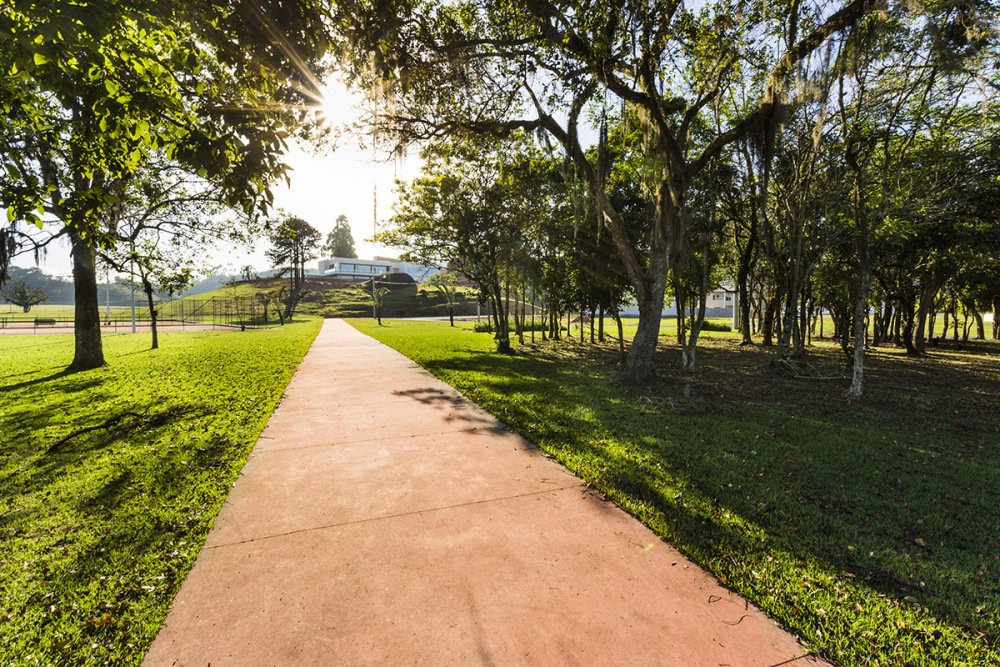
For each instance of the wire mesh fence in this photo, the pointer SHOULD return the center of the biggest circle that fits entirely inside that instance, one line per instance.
(241, 312)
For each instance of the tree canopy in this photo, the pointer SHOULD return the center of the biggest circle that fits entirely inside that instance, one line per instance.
(819, 91)
(340, 241)
(94, 90)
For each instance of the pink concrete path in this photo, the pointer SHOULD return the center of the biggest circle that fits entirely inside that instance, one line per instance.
(383, 519)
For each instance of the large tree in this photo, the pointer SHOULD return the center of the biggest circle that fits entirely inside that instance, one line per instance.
(20, 294)
(490, 66)
(293, 243)
(93, 89)
(340, 241)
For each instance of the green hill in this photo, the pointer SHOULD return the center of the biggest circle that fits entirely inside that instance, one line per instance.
(336, 297)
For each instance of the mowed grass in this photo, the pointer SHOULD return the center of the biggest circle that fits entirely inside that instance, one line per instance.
(111, 479)
(870, 529)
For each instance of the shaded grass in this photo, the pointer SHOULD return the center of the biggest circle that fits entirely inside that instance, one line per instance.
(111, 479)
(868, 529)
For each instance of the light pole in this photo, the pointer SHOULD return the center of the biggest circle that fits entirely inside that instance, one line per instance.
(107, 295)
(131, 271)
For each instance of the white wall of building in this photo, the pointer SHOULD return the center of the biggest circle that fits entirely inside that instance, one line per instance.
(362, 269)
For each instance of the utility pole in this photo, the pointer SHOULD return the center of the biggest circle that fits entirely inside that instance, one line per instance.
(131, 270)
(107, 295)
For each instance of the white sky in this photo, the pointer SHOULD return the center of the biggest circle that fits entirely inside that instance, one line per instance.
(323, 186)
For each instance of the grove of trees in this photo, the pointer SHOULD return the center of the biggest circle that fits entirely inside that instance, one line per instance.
(836, 156)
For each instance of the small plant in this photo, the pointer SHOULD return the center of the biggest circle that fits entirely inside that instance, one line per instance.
(483, 327)
(708, 325)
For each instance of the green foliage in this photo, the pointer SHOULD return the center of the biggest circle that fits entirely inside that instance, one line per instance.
(112, 478)
(709, 325)
(93, 92)
(340, 241)
(866, 538)
(18, 293)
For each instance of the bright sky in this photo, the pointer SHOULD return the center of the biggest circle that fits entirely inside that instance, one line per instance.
(323, 186)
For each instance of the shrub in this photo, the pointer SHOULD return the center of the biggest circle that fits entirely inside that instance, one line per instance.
(715, 326)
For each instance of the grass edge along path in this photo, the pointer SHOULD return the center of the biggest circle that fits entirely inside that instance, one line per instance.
(840, 617)
(112, 479)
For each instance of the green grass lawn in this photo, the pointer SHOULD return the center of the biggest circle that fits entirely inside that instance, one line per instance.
(869, 529)
(111, 479)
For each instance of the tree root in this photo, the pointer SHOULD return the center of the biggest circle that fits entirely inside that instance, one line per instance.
(141, 420)
(801, 370)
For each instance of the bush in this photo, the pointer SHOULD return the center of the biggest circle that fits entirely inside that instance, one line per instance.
(715, 326)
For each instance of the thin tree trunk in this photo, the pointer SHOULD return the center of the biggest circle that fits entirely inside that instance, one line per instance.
(860, 314)
(533, 315)
(923, 311)
(767, 332)
(621, 334)
(908, 317)
(954, 319)
(980, 326)
(147, 287)
(503, 333)
(996, 317)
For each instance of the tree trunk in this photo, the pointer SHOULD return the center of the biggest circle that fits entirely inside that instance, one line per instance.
(621, 333)
(980, 327)
(88, 348)
(600, 324)
(533, 315)
(996, 317)
(860, 315)
(744, 305)
(640, 364)
(770, 313)
(697, 320)
(147, 287)
(954, 319)
(503, 332)
(907, 316)
(923, 311)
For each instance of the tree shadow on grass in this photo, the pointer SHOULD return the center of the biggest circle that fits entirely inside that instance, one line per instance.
(893, 500)
(131, 521)
(64, 372)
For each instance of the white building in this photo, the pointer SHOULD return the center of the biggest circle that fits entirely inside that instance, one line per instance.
(353, 268)
(718, 303)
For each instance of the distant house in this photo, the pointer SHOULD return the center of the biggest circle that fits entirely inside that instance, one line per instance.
(718, 303)
(353, 268)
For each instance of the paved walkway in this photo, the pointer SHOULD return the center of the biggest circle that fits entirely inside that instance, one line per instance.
(383, 519)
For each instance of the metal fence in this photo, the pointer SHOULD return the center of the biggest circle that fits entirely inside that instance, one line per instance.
(241, 312)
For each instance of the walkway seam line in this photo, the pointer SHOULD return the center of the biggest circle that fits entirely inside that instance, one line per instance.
(579, 485)
(391, 437)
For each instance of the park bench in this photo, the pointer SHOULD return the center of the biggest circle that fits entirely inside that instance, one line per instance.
(45, 322)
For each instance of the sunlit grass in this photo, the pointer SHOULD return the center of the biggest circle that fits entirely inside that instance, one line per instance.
(111, 479)
(865, 528)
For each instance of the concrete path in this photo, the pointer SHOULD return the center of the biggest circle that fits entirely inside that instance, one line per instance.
(383, 519)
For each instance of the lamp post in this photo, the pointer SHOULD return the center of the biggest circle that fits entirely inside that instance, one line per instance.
(131, 271)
